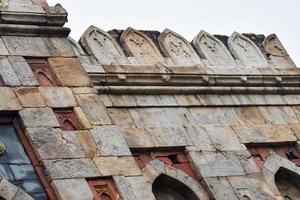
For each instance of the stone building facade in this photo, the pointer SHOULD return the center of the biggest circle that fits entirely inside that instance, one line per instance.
(143, 115)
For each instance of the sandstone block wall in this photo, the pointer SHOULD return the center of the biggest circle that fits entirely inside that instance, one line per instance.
(147, 115)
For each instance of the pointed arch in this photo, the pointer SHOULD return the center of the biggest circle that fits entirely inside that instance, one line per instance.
(246, 51)
(102, 46)
(274, 167)
(141, 47)
(178, 48)
(156, 170)
(212, 49)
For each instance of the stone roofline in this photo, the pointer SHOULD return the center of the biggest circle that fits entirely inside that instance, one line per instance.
(128, 60)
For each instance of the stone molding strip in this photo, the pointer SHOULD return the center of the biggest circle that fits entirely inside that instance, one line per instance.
(33, 30)
(173, 90)
(193, 80)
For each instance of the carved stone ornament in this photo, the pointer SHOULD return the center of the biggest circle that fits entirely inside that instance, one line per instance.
(141, 47)
(2, 149)
(100, 44)
(277, 53)
(246, 51)
(178, 48)
(3, 3)
(213, 50)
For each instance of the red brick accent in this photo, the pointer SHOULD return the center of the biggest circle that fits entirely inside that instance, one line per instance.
(260, 154)
(43, 72)
(35, 162)
(103, 189)
(68, 120)
(175, 159)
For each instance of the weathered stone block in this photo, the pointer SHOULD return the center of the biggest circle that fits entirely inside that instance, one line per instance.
(279, 115)
(26, 46)
(247, 162)
(8, 191)
(9, 100)
(250, 115)
(51, 143)
(71, 168)
(58, 97)
(169, 136)
(69, 72)
(39, 117)
(3, 49)
(212, 164)
(23, 71)
(223, 138)
(94, 109)
(7, 73)
(125, 190)
(137, 138)
(84, 90)
(220, 188)
(82, 118)
(75, 189)
(60, 47)
(251, 187)
(214, 116)
(30, 97)
(121, 117)
(110, 141)
(200, 138)
(267, 133)
(109, 166)
(88, 143)
(141, 189)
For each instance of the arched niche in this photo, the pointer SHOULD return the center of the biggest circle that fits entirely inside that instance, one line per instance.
(212, 49)
(160, 174)
(178, 48)
(102, 46)
(141, 47)
(165, 187)
(246, 51)
(288, 184)
(283, 177)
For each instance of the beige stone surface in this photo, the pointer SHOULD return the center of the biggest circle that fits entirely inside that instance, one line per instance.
(268, 133)
(94, 109)
(58, 97)
(82, 118)
(30, 97)
(69, 72)
(71, 168)
(50, 143)
(9, 101)
(88, 143)
(109, 166)
(75, 189)
(39, 117)
(110, 141)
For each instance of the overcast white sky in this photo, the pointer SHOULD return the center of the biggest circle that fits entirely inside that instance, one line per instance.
(190, 16)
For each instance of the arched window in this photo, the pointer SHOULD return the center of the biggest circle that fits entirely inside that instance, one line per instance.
(288, 184)
(167, 188)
